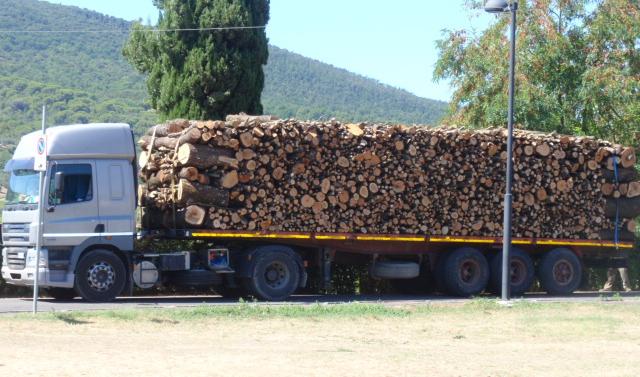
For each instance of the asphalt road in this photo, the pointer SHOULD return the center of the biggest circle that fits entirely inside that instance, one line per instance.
(18, 305)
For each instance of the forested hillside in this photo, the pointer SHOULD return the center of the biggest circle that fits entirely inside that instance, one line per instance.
(83, 77)
(304, 88)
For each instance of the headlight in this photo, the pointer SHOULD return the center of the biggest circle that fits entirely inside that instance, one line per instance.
(31, 258)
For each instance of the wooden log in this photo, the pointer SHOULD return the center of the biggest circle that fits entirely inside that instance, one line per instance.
(204, 157)
(189, 172)
(143, 159)
(190, 136)
(194, 193)
(631, 226)
(623, 235)
(168, 128)
(230, 179)
(607, 189)
(633, 189)
(543, 149)
(250, 118)
(194, 215)
(628, 208)
(624, 175)
(628, 157)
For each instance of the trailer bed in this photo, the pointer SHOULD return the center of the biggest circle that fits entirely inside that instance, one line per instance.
(399, 243)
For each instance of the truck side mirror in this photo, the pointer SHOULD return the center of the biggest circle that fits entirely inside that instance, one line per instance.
(58, 183)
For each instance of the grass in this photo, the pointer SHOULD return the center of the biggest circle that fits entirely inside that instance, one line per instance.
(475, 337)
(322, 311)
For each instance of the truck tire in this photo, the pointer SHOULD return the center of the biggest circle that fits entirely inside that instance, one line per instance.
(466, 272)
(275, 274)
(62, 294)
(100, 276)
(522, 272)
(560, 272)
(395, 270)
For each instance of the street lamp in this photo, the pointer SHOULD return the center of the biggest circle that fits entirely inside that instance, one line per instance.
(501, 6)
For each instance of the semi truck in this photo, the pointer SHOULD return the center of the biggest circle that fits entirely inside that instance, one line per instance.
(88, 230)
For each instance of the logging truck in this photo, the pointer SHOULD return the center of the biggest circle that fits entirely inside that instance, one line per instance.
(88, 230)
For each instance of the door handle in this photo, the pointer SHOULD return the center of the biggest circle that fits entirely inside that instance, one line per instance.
(51, 209)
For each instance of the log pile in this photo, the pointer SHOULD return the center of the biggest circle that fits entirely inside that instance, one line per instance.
(260, 173)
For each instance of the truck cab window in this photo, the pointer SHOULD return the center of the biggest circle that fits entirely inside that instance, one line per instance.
(77, 184)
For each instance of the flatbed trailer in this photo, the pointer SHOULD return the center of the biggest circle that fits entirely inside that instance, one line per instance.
(413, 261)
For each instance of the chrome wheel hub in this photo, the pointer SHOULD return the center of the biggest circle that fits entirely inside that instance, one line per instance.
(101, 276)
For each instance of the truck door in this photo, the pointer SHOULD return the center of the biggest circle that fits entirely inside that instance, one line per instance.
(116, 197)
(71, 215)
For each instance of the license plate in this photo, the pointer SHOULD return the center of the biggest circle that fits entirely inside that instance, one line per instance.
(20, 255)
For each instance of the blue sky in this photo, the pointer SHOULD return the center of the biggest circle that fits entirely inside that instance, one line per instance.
(390, 41)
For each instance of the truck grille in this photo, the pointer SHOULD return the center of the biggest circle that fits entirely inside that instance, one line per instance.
(15, 233)
(16, 257)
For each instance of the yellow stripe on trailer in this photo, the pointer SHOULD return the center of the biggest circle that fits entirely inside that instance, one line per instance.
(251, 235)
(390, 238)
(460, 240)
(583, 243)
(324, 237)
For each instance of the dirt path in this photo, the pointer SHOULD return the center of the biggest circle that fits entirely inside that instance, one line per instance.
(564, 340)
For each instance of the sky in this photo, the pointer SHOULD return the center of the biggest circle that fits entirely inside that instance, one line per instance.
(393, 42)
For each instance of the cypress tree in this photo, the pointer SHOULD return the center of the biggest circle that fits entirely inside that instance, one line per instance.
(203, 74)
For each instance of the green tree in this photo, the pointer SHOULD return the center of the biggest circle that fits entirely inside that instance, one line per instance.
(578, 68)
(203, 74)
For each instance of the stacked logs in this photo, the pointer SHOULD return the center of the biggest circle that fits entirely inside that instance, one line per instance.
(260, 173)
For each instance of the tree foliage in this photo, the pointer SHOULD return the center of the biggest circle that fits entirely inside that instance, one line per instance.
(203, 74)
(578, 68)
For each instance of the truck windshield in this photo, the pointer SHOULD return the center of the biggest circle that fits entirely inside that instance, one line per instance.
(23, 187)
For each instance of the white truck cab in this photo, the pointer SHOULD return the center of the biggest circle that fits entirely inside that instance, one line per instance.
(90, 187)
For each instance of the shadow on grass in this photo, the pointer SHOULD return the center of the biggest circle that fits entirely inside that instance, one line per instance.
(161, 320)
(70, 319)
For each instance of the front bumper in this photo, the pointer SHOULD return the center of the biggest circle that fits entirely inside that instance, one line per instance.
(46, 277)
(22, 272)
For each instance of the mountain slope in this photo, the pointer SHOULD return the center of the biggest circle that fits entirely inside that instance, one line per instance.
(83, 77)
(300, 87)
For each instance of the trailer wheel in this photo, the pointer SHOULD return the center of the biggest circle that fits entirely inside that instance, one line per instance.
(100, 276)
(62, 294)
(522, 272)
(466, 272)
(274, 276)
(560, 272)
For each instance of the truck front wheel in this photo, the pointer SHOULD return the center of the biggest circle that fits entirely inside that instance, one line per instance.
(275, 275)
(560, 272)
(100, 276)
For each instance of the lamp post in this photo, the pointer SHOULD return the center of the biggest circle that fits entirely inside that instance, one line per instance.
(501, 6)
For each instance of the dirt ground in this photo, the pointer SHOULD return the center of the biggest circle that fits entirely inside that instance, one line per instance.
(551, 340)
